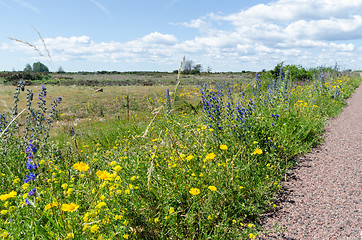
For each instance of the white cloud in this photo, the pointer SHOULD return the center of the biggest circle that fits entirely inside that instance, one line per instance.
(327, 29)
(195, 23)
(285, 11)
(298, 32)
(158, 38)
(153, 46)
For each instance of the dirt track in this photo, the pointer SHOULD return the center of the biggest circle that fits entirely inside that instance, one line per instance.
(322, 197)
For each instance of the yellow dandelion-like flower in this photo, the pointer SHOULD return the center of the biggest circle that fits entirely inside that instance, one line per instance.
(81, 166)
(126, 236)
(25, 186)
(210, 156)
(117, 168)
(48, 206)
(189, 157)
(171, 210)
(16, 180)
(70, 236)
(223, 147)
(101, 204)
(69, 207)
(4, 197)
(104, 175)
(252, 235)
(258, 151)
(194, 191)
(250, 225)
(94, 228)
(212, 188)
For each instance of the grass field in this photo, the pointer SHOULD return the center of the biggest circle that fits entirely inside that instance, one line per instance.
(139, 78)
(188, 162)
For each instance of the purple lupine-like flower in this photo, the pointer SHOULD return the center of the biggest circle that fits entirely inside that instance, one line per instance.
(59, 99)
(30, 166)
(30, 177)
(32, 192)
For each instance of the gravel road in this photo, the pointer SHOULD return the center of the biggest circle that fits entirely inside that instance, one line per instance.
(322, 197)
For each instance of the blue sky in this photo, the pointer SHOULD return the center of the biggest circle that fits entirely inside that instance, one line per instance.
(234, 35)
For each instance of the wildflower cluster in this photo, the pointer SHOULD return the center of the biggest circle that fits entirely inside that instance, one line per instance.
(208, 175)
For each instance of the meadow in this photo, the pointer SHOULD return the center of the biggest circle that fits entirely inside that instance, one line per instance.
(176, 161)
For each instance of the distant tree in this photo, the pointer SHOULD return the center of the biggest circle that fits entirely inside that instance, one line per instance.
(208, 69)
(28, 68)
(187, 66)
(61, 70)
(39, 67)
(197, 69)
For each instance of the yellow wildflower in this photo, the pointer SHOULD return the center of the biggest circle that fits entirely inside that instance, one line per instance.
(25, 186)
(104, 175)
(194, 191)
(212, 188)
(171, 210)
(250, 225)
(210, 156)
(16, 180)
(223, 147)
(101, 204)
(257, 151)
(252, 235)
(70, 236)
(81, 166)
(69, 207)
(117, 168)
(70, 191)
(85, 227)
(94, 228)
(189, 157)
(4, 197)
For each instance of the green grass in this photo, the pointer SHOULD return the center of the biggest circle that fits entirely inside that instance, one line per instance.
(162, 175)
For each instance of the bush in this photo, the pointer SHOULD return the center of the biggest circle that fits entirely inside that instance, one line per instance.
(295, 72)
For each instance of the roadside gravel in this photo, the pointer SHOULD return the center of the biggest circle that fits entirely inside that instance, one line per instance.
(322, 196)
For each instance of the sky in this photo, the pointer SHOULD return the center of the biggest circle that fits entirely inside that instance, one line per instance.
(144, 35)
